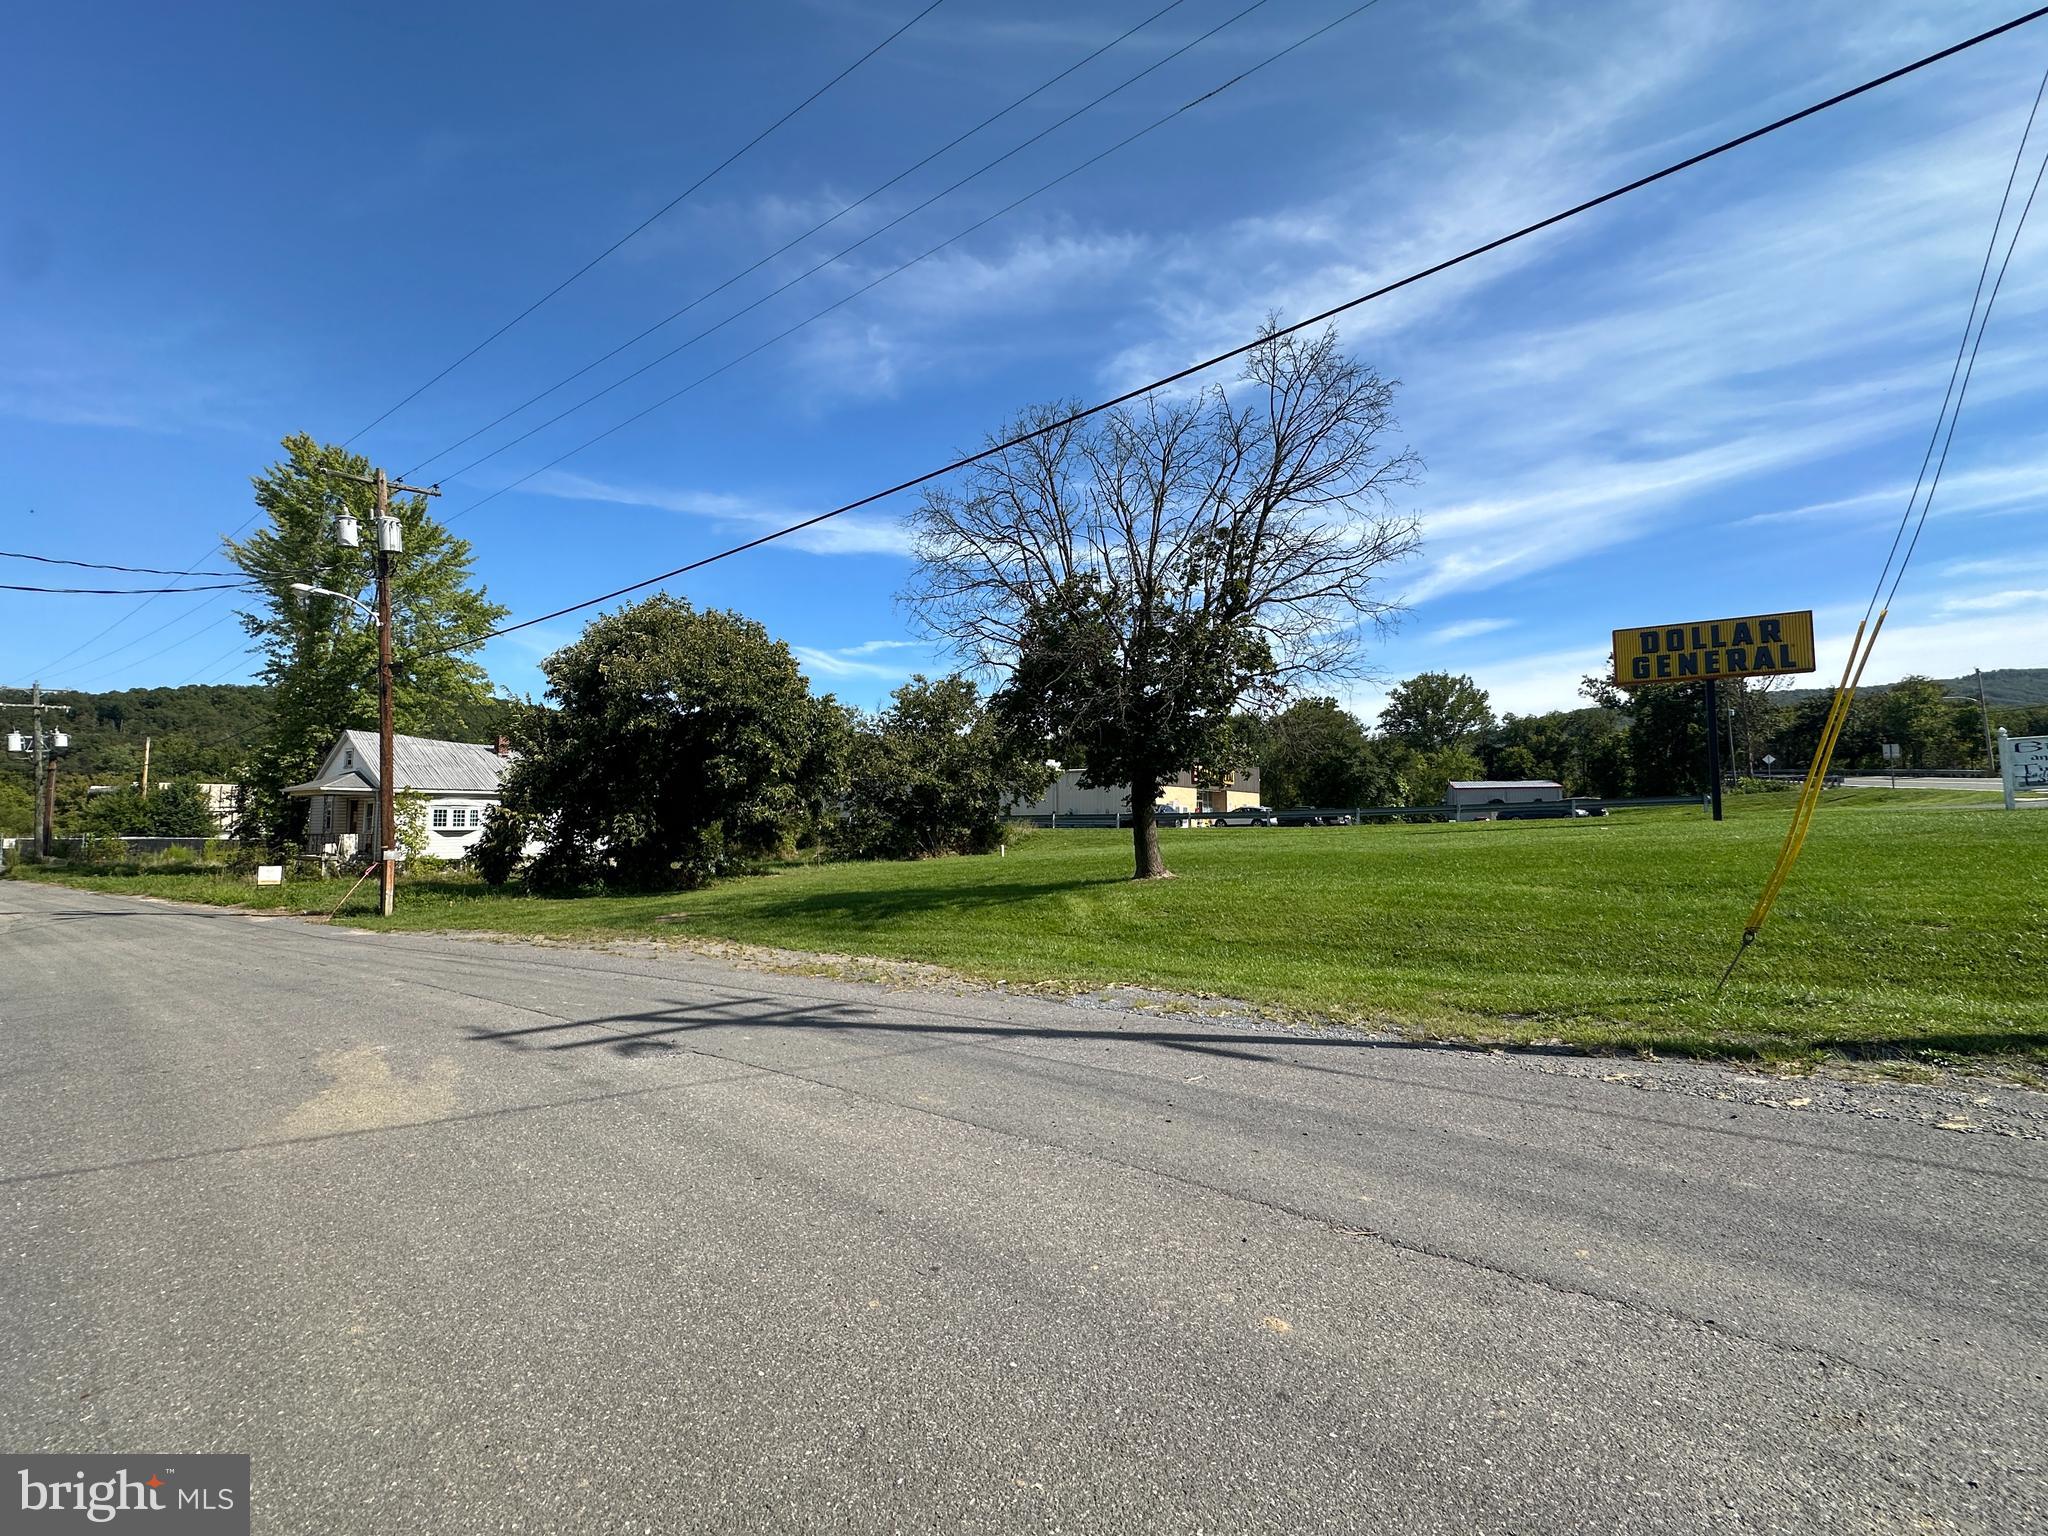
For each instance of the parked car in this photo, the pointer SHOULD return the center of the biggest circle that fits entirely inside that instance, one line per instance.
(1247, 816)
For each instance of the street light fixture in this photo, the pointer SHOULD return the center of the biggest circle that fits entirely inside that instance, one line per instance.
(307, 586)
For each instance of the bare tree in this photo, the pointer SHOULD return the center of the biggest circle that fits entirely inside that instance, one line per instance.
(1137, 577)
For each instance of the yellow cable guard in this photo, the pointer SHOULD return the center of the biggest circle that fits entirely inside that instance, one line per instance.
(1860, 648)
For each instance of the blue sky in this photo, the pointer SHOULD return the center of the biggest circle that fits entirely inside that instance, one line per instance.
(219, 225)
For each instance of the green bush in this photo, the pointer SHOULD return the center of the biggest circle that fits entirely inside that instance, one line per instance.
(562, 869)
(501, 847)
(1017, 833)
(1747, 786)
(931, 774)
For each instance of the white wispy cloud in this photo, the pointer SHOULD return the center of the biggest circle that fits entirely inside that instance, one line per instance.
(848, 662)
(2005, 566)
(1997, 602)
(851, 534)
(1937, 647)
(944, 314)
(1467, 629)
(140, 380)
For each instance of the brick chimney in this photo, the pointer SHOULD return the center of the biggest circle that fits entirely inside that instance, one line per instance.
(503, 747)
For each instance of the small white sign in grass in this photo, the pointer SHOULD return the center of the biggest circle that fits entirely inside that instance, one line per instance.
(270, 874)
(2022, 764)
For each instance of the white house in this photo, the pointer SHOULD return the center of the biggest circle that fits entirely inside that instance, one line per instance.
(458, 778)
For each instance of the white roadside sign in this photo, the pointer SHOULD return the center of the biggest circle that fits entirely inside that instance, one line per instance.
(2022, 763)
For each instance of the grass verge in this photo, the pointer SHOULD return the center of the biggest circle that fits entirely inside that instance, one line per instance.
(1916, 927)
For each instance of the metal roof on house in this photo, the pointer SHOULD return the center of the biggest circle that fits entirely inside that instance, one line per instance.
(1505, 784)
(340, 784)
(422, 763)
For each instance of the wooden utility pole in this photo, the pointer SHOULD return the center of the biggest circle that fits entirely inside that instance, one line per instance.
(46, 787)
(1713, 708)
(145, 767)
(386, 543)
(387, 792)
(46, 779)
(1983, 709)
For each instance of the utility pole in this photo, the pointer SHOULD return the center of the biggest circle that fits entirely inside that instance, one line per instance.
(1984, 709)
(46, 784)
(46, 799)
(145, 767)
(388, 543)
(387, 795)
(1713, 706)
(1732, 711)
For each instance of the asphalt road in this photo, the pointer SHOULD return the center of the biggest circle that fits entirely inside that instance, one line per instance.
(459, 1236)
(1989, 786)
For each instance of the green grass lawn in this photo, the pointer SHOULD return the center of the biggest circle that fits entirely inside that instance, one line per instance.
(1917, 922)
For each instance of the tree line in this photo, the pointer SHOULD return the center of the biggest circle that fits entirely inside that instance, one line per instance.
(1168, 584)
(1438, 727)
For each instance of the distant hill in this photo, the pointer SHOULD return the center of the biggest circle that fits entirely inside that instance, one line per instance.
(195, 732)
(2004, 687)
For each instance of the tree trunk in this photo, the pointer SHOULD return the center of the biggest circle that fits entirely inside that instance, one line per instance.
(1147, 865)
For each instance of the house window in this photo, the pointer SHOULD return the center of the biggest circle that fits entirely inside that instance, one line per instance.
(440, 818)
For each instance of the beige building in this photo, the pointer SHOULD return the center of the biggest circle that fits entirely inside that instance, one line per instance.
(1181, 793)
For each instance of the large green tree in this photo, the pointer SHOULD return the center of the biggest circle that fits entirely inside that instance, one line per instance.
(319, 654)
(1317, 753)
(1586, 750)
(1135, 579)
(1929, 732)
(933, 773)
(1432, 711)
(677, 742)
(1667, 733)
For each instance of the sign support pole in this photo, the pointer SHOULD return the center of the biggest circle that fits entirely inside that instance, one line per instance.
(1714, 744)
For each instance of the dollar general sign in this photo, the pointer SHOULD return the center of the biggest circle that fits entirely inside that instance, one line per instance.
(1763, 644)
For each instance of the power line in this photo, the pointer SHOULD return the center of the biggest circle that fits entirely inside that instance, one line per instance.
(1962, 344)
(102, 633)
(1320, 318)
(858, 202)
(84, 667)
(93, 565)
(219, 586)
(1970, 368)
(873, 283)
(201, 673)
(652, 218)
(1864, 641)
(92, 668)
